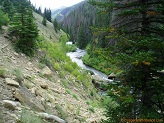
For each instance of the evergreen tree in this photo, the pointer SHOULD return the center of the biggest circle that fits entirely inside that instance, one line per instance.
(8, 8)
(44, 21)
(4, 19)
(55, 24)
(24, 28)
(47, 14)
(137, 32)
(81, 39)
(39, 11)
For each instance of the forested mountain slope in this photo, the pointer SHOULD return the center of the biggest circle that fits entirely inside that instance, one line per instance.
(78, 23)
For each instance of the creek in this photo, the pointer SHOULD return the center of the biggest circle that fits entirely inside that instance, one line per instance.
(76, 57)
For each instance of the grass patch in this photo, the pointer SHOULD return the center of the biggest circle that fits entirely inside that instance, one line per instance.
(60, 110)
(3, 73)
(41, 65)
(41, 74)
(29, 117)
(75, 96)
(65, 83)
(19, 74)
(68, 91)
(91, 109)
(57, 66)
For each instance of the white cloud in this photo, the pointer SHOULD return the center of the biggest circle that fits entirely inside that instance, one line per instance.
(53, 4)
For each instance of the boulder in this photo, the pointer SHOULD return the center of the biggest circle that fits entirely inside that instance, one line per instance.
(11, 82)
(51, 117)
(97, 78)
(112, 76)
(44, 86)
(24, 96)
(12, 105)
(46, 71)
(28, 84)
(162, 71)
(43, 93)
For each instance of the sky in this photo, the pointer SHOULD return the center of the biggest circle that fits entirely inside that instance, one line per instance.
(54, 4)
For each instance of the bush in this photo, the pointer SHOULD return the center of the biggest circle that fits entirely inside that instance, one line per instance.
(19, 75)
(60, 110)
(57, 66)
(75, 96)
(4, 19)
(91, 109)
(44, 21)
(2, 72)
(29, 117)
(65, 83)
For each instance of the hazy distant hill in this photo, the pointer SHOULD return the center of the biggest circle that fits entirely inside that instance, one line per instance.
(60, 13)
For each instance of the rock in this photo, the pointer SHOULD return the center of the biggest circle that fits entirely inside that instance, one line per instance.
(162, 71)
(29, 63)
(30, 69)
(16, 54)
(36, 70)
(46, 71)
(112, 76)
(97, 81)
(51, 117)
(11, 104)
(6, 36)
(19, 96)
(28, 84)
(71, 107)
(43, 93)
(97, 78)
(11, 82)
(14, 116)
(24, 96)
(44, 85)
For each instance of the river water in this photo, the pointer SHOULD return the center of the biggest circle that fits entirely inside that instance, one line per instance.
(76, 57)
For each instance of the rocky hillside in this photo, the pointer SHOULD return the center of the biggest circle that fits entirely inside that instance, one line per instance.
(32, 92)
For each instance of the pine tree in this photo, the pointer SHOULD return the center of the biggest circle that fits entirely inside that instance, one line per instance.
(47, 14)
(137, 32)
(8, 8)
(44, 21)
(55, 24)
(81, 39)
(4, 19)
(24, 28)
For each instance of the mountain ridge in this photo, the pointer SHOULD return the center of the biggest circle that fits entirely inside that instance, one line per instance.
(60, 13)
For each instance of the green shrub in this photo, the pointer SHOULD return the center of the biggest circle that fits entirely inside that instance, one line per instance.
(41, 74)
(19, 75)
(41, 66)
(65, 83)
(4, 19)
(75, 96)
(57, 66)
(60, 110)
(2, 72)
(91, 109)
(29, 117)
(68, 67)
(76, 72)
(88, 102)
(68, 91)
(44, 21)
